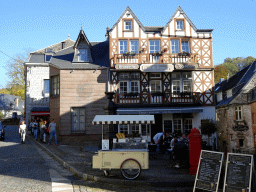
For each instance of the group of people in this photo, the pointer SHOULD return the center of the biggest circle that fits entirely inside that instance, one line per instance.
(39, 125)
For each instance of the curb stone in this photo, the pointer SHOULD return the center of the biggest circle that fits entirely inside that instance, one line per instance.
(88, 177)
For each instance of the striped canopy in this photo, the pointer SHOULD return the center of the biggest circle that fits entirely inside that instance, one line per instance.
(123, 119)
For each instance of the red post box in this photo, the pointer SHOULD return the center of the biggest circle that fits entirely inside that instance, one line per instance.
(195, 147)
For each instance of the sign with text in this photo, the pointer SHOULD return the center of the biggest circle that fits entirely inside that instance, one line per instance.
(105, 144)
(208, 171)
(157, 67)
(127, 66)
(238, 173)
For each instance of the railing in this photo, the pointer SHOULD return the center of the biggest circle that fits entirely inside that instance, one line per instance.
(174, 58)
(154, 98)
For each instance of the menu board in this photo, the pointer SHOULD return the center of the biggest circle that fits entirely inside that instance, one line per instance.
(105, 144)
(238, 173)
(208, 171)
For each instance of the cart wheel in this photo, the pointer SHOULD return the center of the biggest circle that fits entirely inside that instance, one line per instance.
(106, 173)
(130, 169)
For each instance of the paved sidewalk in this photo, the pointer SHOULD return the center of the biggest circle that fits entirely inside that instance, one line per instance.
(78, 159)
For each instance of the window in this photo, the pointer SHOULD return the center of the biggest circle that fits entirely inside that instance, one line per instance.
(48, 58)
(123, 129)
(241, 142)
(154, 46)
(134, 46)
(46, 85)
(55, 85)
(180, 25)
(185, 46)
(177, 125)
(155, 86)
(155, 75)
(181, 82)
(239, 113)
(128, 25)
(187, 125)
(175, 46)
(78, 119)
(48, 50)
(123, 46)
(135, 128)
(129, 83)
(82, 55)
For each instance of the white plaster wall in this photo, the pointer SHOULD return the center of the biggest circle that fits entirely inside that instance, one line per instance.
(187, 28)
(171, 27)
(127, 34)
(136, 29)
(113, 33)
(208, 113)
(143, 35)
(120, 29)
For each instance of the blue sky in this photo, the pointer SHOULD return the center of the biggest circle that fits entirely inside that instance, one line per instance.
(37, 23)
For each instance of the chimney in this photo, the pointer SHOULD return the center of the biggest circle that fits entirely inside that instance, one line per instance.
(16, 101)
(107, 33)
(63, 45)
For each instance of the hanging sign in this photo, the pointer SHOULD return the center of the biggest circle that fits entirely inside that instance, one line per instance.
(157, 67)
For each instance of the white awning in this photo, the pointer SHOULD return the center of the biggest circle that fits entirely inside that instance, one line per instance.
(123, 119)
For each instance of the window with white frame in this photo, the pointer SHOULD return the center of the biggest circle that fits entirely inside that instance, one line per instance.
(175, 46)
(180, 24)
(181, 82)
(135, 128)
(154, 46)
(185, 46)
(123, 129)
(239, 115)
(123, 48)
(134, 46)
(155, 86)
(128, 25)
(46, 85)
(177, 124)
(55, 85)
(187, 125)
(129, 83)
(155, 75)
(82, 55)
(129, 129)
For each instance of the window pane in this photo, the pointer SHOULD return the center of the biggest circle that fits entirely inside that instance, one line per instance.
(175, 75)
(175, 87)
(123, 129)
(135, 46)
(185, 46)
(177, 125)
(186, 75)
(154, 46)
(123, 47)
(175, 46)
(123, 87)
(134, 86)
(82, 55)
(187, 86)
(135, 128)
(128, 25)
(46, 86)
(180, 24)
(156, 86)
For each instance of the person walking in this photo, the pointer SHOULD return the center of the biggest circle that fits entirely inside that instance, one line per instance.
(41, 129)
(35, 127)
(22, 131)
(52, 130)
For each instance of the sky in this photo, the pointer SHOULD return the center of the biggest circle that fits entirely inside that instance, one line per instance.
(36, 24)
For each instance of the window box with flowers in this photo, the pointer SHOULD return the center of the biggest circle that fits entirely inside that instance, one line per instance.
(184, 54)
(126, 54)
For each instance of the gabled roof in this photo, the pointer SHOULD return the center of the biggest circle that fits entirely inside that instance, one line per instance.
(100, 55)
(237, 83)
(158, 29)
(80, 37)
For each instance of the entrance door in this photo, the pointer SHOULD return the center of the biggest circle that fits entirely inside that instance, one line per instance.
(157, 127)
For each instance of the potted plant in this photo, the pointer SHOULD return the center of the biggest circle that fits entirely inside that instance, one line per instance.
(156, 94)
(184, 53)
(129, 54)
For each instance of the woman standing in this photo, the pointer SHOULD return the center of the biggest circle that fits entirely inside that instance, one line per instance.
(22, 131)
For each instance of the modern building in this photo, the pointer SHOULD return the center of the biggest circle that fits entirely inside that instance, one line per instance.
(166, 71)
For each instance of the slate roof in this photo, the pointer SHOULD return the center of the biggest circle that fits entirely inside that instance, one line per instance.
(39, 55)
(237, 83)
(100, 54)
(158, 29)
(6, 101)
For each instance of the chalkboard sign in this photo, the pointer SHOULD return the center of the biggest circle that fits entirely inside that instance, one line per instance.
(208, 171)
(238, 173)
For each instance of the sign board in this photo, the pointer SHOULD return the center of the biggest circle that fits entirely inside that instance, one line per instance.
(186, 66)
(105, 144)
(127, 66)
(157, 67)
(208, 171)
(238, 173)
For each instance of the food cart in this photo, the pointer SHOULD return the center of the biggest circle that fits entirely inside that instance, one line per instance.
(130, 155)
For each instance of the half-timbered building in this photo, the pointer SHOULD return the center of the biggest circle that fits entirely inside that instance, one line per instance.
(166, 71)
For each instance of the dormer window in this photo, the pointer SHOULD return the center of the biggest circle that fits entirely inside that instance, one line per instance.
(180, 25)
(128, 25)
(82, 55)
(49, 50)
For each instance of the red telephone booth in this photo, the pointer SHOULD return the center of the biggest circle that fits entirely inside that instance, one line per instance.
(195, 147)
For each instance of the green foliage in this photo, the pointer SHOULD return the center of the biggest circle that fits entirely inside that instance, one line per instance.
(208, 127)
(16, 72)
(220, 72)
(1, 115)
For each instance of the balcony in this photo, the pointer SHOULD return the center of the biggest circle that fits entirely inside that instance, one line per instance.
(153, 58)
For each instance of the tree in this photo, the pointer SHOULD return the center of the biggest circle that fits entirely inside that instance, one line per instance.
(220, 72)
(208, 127)
(16, 72)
